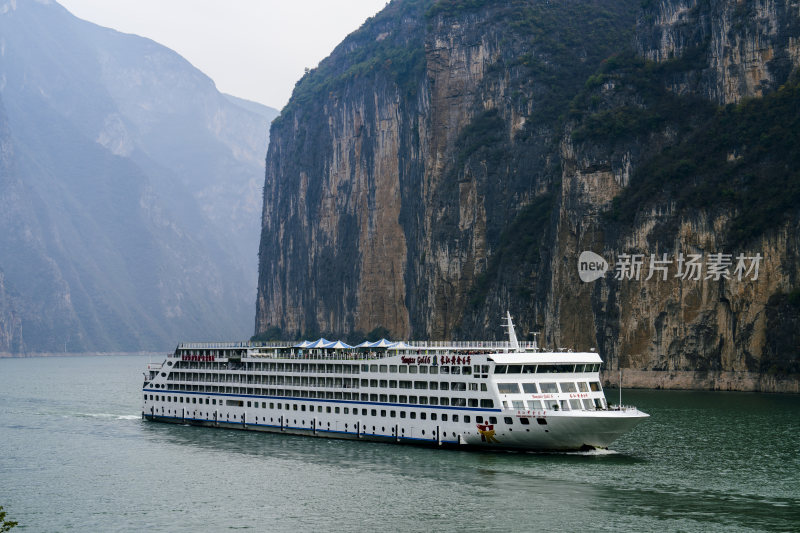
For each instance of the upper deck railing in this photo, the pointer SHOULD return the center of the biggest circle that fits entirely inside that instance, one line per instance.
(403, 345)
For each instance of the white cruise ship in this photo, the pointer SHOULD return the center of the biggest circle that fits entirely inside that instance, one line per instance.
(486, 394)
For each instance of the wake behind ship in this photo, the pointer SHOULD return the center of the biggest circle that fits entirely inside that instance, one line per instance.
(485, 394)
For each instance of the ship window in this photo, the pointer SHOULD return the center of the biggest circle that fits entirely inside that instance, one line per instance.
(583, 386)
(548, 388)
(413, 415)
(420, 384)
(434, 370)
(336, 410)
(444, 385)
(412, 399)
(587, 404)
(402, 414)
(529, 388)
(595, 386)
(412, 370)
(433, 416)
(473, 386)
(423, 400)
(423, 370)
(403, 370)
(393, 398)
(145, 397)
(529, 369)
(272, 405)
(151, 396)
(500, 369)
(466, 418)
(434, 400)
(568, 386)
(444, 417)
(564, 405)
(444, 370)
(392, 384)
(365, 383)
(384, 369)
(444, 401)
(373, 382)
(383, 398)
(393, 414)
(458, 402)
(534, 404)
(303, 407)
(575, 404)
(467, 370)
(455, 370)
(383, 384)
(393, 369)
(365, 368)
(487, 403)
(433, 385)
(458, 385)
(363, 412)
(493, 420)
(525, 421)
(373, 368)
(479, 419)
(455, 418)
(514, 369)
(373, 397)
(508, 388)
(328, 409)
(404, 384)
(248, 404)
(423, 415)
(402, 398)
(472, 402)
(518, 404)
(294, 407)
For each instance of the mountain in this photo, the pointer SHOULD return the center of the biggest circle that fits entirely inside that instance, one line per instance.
(129, 191)
(453, 159)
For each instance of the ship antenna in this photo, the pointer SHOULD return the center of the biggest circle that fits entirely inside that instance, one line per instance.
(512, 335)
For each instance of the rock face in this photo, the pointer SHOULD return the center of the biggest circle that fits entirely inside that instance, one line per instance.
(452, 160)
(128, 191)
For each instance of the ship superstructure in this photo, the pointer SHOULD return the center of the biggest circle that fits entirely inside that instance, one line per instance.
(496, 394)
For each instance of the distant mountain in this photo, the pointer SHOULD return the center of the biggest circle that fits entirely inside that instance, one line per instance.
(130, 191)
(266, 112)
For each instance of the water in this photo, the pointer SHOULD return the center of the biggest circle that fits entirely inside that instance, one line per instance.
(76, 456)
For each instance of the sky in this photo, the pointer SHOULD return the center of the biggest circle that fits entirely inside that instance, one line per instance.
(253, 49)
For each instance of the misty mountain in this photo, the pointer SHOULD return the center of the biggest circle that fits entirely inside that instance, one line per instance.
(130, 191)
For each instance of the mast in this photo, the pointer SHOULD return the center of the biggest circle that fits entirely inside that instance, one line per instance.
(512, 335)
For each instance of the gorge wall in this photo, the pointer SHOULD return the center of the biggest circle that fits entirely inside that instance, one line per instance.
(451, 160)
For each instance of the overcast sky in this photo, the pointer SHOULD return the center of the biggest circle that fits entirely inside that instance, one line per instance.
(254, 49)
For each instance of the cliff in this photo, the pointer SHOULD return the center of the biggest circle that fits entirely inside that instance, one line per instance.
(128, 191)
(450, 160)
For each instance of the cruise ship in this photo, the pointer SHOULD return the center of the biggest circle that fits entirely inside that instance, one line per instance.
(508, 395)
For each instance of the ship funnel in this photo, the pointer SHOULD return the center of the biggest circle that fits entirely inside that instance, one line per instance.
(512, 335)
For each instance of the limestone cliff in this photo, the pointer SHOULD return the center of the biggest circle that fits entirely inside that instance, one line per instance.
(451, 160)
